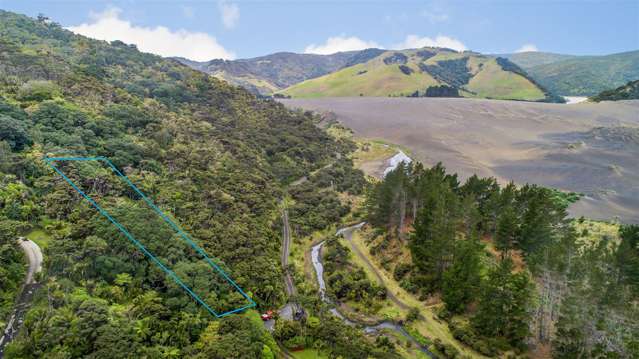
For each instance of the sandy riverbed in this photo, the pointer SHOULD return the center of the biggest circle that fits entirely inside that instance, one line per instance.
(592, 148)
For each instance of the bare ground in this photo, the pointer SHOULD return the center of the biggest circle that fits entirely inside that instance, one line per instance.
(588, 148)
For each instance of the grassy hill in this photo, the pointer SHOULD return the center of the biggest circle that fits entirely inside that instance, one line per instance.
(629, 91)
(587, 75)
(426, 72)
(267, 74)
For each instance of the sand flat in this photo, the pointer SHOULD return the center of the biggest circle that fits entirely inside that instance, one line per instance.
(590, 148)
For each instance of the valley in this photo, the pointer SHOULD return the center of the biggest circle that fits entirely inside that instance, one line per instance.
(371, 200)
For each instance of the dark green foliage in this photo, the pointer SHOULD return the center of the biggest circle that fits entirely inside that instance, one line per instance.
(14, 132)
(314, 210)
(461, 282)
(629, 91)
(441, 91)
(345, 280)
(627, 258)
(341, 176)
(503, 305)
(587, 75)
(434, 234)
(452, 72)
(401, 270)
(507, 65)
(507, 229)
(405, 69)
(232, 337)
(396, 58)
(425, 54)
(211, 155)
(570, 339)
(12, 270)
(448, 259)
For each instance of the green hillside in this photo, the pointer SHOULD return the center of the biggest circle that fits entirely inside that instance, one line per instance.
(530, 59)
(265, 75)
(629, 91)
(426, 72)
(212, 155)
(587, 75)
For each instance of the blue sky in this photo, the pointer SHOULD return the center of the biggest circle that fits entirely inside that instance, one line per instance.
(203, 30)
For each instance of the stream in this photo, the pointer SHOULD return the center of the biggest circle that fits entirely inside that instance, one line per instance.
(316, 258)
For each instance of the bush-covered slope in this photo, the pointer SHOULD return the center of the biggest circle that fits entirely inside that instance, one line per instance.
(587, 75)
(629, 91)
(212, 155)
(267, 74)
(413, 72)
(530, 59)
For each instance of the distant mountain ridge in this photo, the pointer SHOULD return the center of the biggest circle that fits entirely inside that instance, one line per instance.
(430, 72)
(530, 76)
(529, 59)
(267, 74)
(567, 75)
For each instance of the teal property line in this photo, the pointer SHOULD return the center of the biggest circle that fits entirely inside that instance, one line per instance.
(51, 160)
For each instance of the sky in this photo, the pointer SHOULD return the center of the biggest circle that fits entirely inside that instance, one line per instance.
(206, 29)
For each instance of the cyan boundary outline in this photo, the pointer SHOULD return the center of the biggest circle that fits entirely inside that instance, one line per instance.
(50, 160)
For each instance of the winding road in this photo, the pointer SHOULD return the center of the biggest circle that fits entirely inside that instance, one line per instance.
(34, 257)
(286, 247)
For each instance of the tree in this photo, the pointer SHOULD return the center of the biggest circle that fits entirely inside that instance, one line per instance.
(14, 132)
(627, 258)
(569, 341)
(435, 229)
(462, 280)
(503, 309)
(507, 228)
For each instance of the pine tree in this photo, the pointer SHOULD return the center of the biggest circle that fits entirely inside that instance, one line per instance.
(503, 304)
(434, 233)
(569, 341)
(507, 228)
(462, 280)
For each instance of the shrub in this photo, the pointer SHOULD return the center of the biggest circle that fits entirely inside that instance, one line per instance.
(401, 270)
(412, 315)
(38, 90)
(14, 133)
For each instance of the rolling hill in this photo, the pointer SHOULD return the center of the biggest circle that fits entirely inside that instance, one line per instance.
(426, 72)
(530, 59)
(629, 91)
(267, 74)
(587, 75)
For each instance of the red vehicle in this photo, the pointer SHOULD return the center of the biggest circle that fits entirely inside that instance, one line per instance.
(267, 316)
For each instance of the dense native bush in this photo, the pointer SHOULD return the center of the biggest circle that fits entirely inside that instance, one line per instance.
(213, 156)
(345, 280)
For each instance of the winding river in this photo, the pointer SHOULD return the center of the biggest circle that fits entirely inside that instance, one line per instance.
(316, 258)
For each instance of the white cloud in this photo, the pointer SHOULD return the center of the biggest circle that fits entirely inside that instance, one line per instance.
(230, 13)
(414, 42)
(527, 48)
(159, 40)
(338, 44)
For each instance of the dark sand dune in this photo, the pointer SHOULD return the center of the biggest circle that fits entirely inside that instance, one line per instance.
(587, 148)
